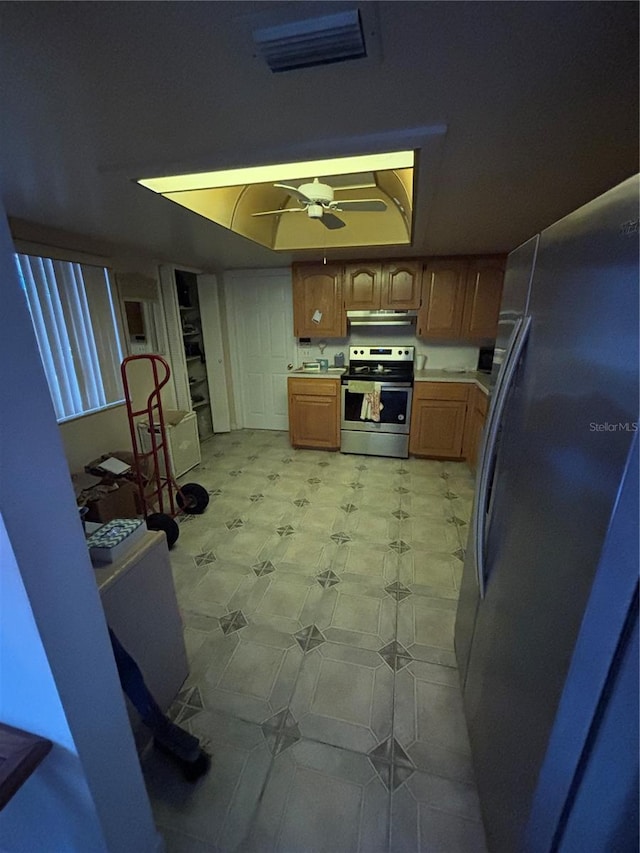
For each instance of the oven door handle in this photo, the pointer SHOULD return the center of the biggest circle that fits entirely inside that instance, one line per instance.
(407, 386)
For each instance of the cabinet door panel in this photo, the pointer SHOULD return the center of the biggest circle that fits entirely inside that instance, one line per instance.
(401, 285)
(477, 425)
(469, 431)
(483, 295)
(313, 422)
(318, 288)
(443, 287)
(362, 286)
(476, 416)
(437, 428)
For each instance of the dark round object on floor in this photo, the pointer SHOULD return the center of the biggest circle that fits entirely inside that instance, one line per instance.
(164, 522)
(192, 498)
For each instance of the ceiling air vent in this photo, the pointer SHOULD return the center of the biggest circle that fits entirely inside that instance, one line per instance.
(313, 41)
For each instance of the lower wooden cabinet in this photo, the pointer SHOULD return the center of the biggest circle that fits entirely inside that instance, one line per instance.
(438, 418)
(314, 413)
(476, 416)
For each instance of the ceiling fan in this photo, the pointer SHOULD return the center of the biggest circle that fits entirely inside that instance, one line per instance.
(319, 203)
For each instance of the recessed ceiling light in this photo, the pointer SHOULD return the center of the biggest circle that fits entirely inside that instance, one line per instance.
(280, 172)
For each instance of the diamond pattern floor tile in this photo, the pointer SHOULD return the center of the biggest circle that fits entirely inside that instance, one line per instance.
(327, 579)
(310, 638)
(281, 731)
(400, 546)
(319, 592)
(397, 590)
(233, 622)
(392, 763)
(395, 655)
(263, 568)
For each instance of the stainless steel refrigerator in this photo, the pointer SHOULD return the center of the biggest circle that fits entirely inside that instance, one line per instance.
(546, 630)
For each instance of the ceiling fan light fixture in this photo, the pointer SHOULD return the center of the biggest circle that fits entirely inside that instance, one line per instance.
(315, 211)
(318, 192)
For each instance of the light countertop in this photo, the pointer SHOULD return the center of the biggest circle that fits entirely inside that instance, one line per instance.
(480, 380)
(108, 573)
(331, 373)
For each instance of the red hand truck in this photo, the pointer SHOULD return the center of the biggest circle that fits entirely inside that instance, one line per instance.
(161, 498)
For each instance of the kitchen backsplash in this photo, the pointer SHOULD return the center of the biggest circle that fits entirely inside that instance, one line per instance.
(443, 355)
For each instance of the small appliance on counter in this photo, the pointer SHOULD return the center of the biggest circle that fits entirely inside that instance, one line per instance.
(485, 359)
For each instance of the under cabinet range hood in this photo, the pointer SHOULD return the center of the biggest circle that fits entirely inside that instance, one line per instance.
(381, 317)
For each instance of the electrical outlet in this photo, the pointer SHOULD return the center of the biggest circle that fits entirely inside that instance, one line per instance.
(305, 352)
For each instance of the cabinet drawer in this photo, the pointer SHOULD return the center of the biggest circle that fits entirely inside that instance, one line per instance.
(441, 391)
(314, 387)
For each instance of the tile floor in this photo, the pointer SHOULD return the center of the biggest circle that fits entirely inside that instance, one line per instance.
(318, 592)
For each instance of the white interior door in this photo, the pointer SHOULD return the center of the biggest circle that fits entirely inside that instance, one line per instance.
(264, 345)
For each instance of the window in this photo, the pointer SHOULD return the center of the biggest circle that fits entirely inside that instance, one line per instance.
(74, 317)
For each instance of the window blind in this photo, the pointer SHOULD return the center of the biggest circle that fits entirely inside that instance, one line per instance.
(78, 333)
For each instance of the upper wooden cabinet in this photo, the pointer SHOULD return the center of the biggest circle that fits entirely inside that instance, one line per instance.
(401, 284)
(390, 285)
(461, 298)
(317, 292)
(361, 286)
(443, 298)
(482, 300)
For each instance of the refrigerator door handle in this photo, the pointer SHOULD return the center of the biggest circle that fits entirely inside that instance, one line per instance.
(519, 338)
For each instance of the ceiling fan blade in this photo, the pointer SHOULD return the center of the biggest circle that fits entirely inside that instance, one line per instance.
(330, 221)
(371, 205)
(284, 210)
(294, 192)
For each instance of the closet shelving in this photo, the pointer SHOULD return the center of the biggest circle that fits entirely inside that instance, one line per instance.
(195, 356)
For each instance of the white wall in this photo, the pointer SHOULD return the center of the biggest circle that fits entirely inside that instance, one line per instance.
(90, 436)
(88, 794)
(29, 700)
(439, 355)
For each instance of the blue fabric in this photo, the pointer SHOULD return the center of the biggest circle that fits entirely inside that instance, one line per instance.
(171, 736)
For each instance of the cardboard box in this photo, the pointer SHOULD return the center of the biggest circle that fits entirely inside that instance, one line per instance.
(172, 417)
(183, 443)
(119, 503)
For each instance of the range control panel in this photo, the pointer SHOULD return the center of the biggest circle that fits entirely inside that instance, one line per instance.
(390, 353)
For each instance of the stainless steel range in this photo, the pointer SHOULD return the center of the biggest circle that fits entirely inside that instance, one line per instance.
(377, 390)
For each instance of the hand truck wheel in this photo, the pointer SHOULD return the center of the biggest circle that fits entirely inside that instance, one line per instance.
(192, 498)
(162, 521)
